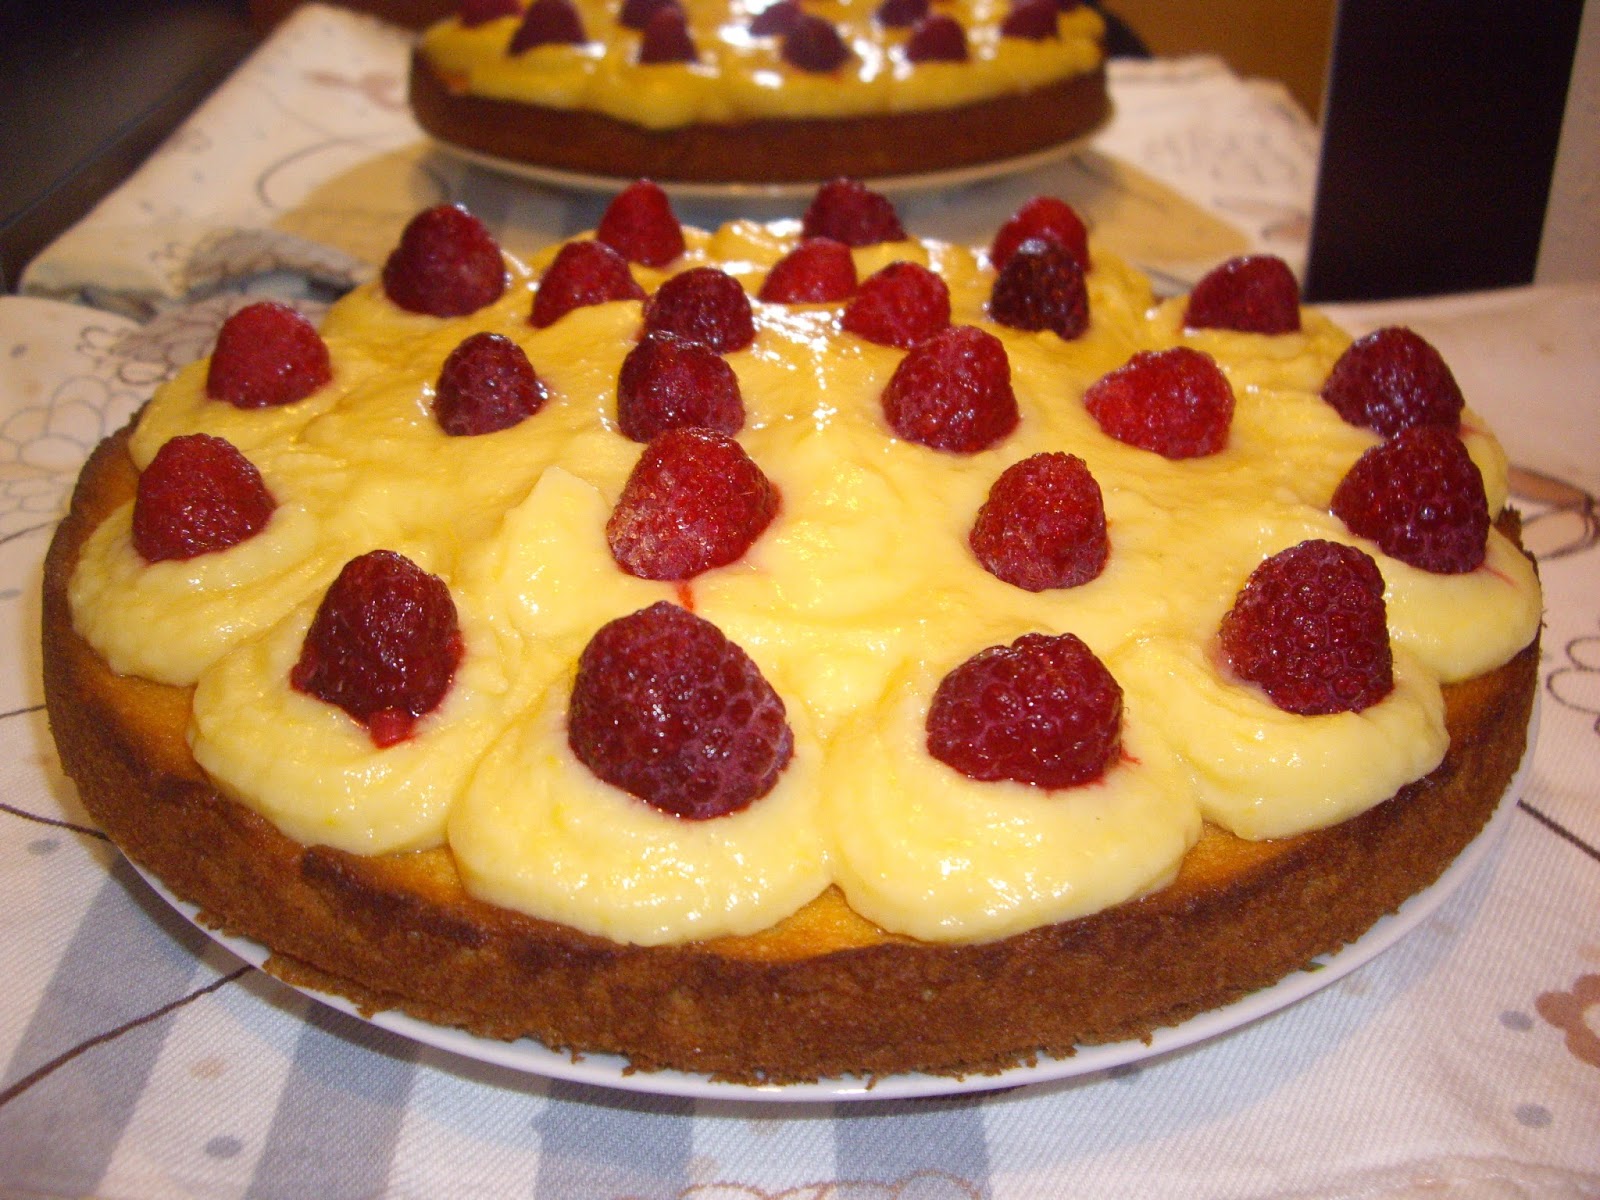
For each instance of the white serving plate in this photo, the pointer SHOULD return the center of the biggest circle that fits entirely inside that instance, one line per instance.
(612, 1071)
(888, 185)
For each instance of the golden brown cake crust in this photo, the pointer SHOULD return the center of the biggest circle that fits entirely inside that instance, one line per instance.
(824, 993)
(762, 151)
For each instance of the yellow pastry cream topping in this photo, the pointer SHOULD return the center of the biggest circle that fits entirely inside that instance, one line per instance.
(853, 603)
(742, 76)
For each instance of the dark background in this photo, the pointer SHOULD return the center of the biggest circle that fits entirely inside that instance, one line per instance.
(1441, 120)
(1440, 128)
(87, 91)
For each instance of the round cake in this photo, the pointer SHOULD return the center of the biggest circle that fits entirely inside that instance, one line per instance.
(795, 649)
(719, 92)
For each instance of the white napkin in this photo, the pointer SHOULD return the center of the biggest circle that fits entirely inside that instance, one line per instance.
(301, 169)
(142, 1060)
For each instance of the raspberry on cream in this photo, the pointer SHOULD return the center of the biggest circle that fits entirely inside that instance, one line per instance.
(861, 592)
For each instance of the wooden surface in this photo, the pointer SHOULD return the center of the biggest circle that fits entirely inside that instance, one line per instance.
(1285, 40)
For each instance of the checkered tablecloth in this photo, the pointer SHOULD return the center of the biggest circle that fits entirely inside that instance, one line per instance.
(141, 1059)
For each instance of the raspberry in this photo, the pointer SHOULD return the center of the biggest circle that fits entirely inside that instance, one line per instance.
(1176, 403)
(1310, 628)
(446, 265)
(267, 354)
(1034, 20)
(1043, 525)
(666, 38)
(813, 44)
(1041, 287)
(548, 22)
(480, 12)
(953, 392)
(1254, 293)
(1420, 496)
(937, 38)
(694, 501)
(900, 14)
(1043, 711)
(1391, 380)
(667, 382)
(639, 224)
(703, 304)
(775, 20)
(666, 708)
(900, 305)
(581, 274)
(198, 494)
(819, 270)
(1042, 217)
(383, 645)
(848, 211)
(636, 14)
(486, 384)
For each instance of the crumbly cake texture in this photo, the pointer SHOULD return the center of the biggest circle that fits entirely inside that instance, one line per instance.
(748, 114)
(823, 991)
(770, 150)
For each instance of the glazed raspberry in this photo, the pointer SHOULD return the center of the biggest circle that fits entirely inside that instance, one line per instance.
(938, 37)
(1043, 525)
(669, 710)
(581, 274)
(636, 14)
(486, 384)
(1176, 403)
(1042, 711)
(667, 382)
(198, 494)
(775, 20)
(1420, 496)
(548, 22)
(1042, 217)
(666, 38)
(1041, 287)
(1034, 20)
(953, 392)
(1254, 293)
(1310, 628)
(900, 305)
(813, 44)
(446, 265)
(383, 646)
(900, 14)
(1391, 380)
(703, 304)
(267, 354)
(819, 270)
(848, 211)
(480, 12)
(694, 501)
(639, 224)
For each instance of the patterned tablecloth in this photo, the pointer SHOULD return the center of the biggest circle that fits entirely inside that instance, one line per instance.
(141, 1059)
